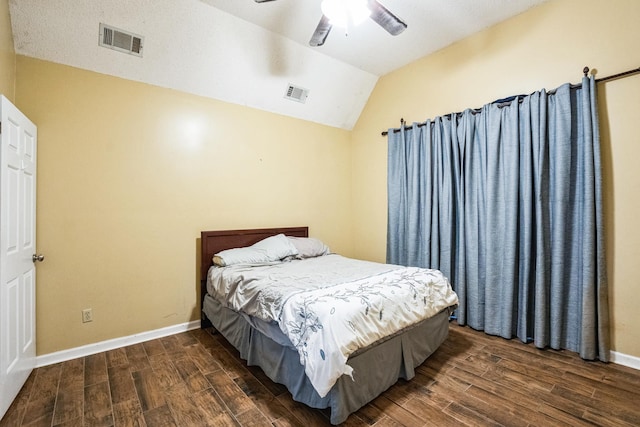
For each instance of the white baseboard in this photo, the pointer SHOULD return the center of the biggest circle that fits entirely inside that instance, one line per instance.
(86, 350)
(625, 360)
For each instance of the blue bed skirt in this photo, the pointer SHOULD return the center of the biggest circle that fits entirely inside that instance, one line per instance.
(375, 368)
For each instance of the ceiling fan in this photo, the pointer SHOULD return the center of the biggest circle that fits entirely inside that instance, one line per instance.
(377, 12)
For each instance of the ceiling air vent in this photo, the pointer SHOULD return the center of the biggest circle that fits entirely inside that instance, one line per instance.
(122, 41)
(295, 93)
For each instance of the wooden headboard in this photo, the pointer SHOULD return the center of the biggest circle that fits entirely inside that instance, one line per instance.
(212, 242)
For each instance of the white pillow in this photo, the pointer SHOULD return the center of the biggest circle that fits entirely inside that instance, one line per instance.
(308, 247)
(271, 249)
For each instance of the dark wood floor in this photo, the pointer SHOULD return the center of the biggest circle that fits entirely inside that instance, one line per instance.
(196, 379)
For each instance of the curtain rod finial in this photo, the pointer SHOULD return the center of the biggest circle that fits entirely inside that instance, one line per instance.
(585, 70)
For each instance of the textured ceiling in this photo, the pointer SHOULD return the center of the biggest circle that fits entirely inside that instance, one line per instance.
(247, 53)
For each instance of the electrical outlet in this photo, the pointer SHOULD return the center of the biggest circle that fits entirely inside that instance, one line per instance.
(87, 315)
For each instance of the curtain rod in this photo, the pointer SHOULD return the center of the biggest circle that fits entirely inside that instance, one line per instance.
(585, 70)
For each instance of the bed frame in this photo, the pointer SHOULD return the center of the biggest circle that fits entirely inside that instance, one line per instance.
(376, 368)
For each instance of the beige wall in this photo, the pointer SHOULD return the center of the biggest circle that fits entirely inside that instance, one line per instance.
(542, 48)
(7, 54)
(128, 176)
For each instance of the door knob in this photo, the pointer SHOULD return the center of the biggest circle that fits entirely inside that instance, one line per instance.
(37, 257)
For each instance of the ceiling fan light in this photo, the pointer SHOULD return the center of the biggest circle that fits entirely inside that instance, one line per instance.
(359, 11)
(335, 11)
(343, 13)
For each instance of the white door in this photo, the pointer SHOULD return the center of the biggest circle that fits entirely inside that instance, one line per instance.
(17, 251)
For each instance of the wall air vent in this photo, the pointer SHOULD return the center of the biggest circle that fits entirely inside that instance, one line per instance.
(295, 93)
(122, 41)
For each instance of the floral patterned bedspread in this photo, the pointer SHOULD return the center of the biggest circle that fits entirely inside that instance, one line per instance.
(331, 306)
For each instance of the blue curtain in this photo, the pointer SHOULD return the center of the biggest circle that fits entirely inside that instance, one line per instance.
(507, 202)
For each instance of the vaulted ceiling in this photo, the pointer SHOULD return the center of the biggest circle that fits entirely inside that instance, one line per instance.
(248, 53)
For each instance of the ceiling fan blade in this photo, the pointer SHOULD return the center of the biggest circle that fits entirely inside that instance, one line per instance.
(386, 19)
(321, 32)
(262, 1)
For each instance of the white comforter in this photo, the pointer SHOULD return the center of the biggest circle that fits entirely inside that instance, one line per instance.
(331, 306)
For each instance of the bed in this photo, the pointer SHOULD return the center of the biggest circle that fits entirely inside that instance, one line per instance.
(364, 377)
